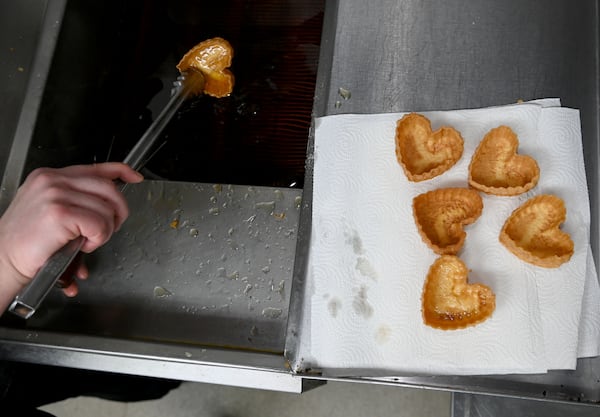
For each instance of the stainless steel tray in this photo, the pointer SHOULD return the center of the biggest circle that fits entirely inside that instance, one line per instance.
(196, 284)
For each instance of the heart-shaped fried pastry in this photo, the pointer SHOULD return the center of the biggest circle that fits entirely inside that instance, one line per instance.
(212, 58)
(449, 302)
(497, 168)
(441, 214)
(532, 232)
(425, 154)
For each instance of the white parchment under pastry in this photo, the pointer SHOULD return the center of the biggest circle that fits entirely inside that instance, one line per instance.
(367, 262)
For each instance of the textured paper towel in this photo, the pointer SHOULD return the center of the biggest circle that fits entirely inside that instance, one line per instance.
(367, 262)
(589, 325)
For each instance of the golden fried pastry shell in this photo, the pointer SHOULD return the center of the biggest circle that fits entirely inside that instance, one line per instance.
(212, 58)
(441, 214)
(532, 232)
(422, 153)
(449, 302)
(496, 167)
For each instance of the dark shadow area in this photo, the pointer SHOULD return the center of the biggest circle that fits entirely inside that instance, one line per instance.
(113, 71)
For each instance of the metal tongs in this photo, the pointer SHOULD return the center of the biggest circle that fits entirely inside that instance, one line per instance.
(30, 298)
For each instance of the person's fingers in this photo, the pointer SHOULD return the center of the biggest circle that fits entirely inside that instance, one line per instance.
(108, 170)
(82, 271)
(96, 186)
(95, 228)
(101, 207)
(71, 272)
(72, 290)
(78, 179)
(78, 221)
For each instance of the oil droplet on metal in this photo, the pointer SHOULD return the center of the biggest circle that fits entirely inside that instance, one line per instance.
(279, 289)
(268, 206)
(344, 93)
(272, 312)
(161, 292)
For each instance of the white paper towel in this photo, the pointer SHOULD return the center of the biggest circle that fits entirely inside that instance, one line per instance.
(367, 262)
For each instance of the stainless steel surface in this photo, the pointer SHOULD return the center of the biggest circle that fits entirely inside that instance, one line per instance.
(35, 60)
(28, 301)
(165, 360)
(187, 289)
(21, 22)
(194, 264)
(469, 405)
(417, 56)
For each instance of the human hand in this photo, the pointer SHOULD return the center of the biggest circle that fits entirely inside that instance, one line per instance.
(53, 207)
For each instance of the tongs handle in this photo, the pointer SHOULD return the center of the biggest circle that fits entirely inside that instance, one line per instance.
(29, 299)
(27, 302)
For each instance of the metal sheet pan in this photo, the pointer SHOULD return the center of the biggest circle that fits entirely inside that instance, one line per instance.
(196, 286)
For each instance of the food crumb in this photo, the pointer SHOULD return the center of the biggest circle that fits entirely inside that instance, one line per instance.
(279, 216)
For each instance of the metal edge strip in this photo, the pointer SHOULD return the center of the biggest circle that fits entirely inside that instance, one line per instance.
(320, 104)
(181, 362)
(15, 164)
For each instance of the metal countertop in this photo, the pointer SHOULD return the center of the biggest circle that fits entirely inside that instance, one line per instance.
(417, 56)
